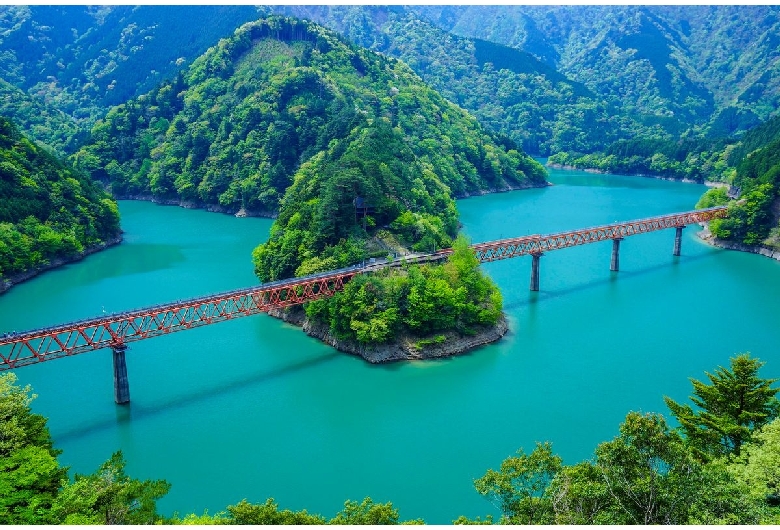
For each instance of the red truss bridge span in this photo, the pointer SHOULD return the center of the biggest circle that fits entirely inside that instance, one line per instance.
(116, 330)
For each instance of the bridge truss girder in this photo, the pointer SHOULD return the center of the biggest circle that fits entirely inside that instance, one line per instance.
(115, 330)
(540, 244)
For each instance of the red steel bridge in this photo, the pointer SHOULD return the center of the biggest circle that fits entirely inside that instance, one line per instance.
(116, 330)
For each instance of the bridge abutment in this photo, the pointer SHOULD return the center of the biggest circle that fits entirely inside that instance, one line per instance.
(121, 383)
(614, 264)
(677, 240)
(535, 271)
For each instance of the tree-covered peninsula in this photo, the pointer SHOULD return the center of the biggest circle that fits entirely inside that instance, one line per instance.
(352, 152)
(233, 129)
(49, 212)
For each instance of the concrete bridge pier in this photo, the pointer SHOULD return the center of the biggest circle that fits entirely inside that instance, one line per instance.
(535, 271)
(614, 265)
(677, 240)
(121, 384)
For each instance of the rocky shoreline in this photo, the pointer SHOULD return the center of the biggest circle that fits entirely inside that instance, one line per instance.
(272, 214)
(706, 236)
(404, 349)
(196, 205)
(9, 281)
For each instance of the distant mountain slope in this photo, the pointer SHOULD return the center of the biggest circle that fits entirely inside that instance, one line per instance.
(577, 79)
(83, 59)
(41, 122)
(508, 90)
(708, 66)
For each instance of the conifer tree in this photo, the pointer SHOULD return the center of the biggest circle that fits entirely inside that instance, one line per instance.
(736, 403)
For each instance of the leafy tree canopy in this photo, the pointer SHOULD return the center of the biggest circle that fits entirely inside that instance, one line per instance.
(30, 475)
(47, 210)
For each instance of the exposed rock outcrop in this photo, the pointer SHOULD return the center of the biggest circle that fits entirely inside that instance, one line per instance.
(405, 348)
(707, 236)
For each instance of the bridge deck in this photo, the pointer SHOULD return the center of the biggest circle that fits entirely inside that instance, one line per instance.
(38, 345)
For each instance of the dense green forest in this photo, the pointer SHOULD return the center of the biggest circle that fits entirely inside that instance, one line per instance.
(508, 90)
(567, 78)
(47, 209)
(708, 68)
(721, 466)
(239, 123)
(43, 123)
(419, 301)
(81, 60)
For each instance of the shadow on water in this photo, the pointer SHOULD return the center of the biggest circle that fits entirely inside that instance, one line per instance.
(120, 261)
(613, 278)
(135, 412)
(136, 258)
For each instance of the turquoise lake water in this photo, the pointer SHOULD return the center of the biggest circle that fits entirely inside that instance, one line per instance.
(253, 408)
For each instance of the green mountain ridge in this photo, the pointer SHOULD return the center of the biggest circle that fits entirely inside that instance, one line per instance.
(508, 90)
(579, 77)
(84, 59)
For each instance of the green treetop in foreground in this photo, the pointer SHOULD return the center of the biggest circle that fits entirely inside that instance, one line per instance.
(736, 403)
(34, 489)
(30, 475)
(652, 474)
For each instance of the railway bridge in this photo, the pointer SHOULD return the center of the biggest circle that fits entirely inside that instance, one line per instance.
(115, 331)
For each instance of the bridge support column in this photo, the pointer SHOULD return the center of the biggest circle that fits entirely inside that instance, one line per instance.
(121, 384)
(615, 263)
(677, 240)
(535, 271)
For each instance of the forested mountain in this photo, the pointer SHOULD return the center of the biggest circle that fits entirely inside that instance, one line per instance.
(286, 103)
(575, 78)
(43, 123)
(47, 210)
(508, 90)
(713, 68)
(80, 60)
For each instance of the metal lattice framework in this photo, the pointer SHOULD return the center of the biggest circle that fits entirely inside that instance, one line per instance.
(113, 331)
(40, 345)
(539, 244)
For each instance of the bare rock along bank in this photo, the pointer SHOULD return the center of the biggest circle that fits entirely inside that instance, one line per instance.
(405, 348)
(706, 235)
